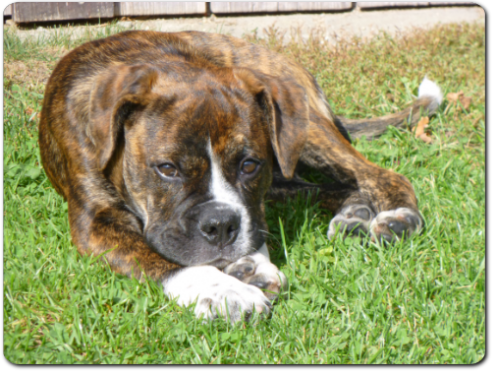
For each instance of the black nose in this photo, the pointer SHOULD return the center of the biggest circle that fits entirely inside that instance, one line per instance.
(219, 226)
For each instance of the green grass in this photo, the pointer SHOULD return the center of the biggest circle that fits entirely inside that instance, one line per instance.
(419, 301)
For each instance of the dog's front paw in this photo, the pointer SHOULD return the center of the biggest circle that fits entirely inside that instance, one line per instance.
(216, 294)
(394, 224)
(352, 220)
(257, 270)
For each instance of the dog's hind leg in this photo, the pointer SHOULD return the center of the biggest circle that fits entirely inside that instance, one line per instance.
(378, 202)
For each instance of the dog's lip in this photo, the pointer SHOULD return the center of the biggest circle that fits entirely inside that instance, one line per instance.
(219, 262)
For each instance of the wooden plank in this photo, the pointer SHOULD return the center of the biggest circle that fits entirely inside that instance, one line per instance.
(42, 12)
(8, 11)
(272, 7)
(391, 4)
(399, 4)
(227, 7)
(155, 8)
(313, 6)
(451, 3)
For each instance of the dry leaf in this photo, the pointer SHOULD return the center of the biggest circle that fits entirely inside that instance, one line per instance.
(454, 97)
(465, 101)
(424, 137)
(459, 97)
(420, 128)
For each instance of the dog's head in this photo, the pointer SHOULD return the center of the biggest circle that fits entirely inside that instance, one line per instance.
(191, 152)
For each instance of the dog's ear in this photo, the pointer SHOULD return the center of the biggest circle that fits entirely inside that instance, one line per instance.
(285, 105)
(114, 96)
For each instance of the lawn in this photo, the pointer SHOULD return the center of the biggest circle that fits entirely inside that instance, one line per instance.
(419, 301)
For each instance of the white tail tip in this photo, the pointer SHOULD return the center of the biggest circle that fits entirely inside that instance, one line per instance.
(430, 89)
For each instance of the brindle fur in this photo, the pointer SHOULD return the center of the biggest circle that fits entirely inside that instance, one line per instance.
(83, 157)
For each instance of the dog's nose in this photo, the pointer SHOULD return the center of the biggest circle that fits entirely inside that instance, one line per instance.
(220, 226)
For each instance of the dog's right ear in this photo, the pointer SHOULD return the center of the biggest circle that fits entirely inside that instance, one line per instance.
(285, 105)
(115, 94)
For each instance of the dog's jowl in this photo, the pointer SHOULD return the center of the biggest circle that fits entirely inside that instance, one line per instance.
(165, 146)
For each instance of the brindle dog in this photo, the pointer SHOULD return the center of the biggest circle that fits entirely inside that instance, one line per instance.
(165, 145)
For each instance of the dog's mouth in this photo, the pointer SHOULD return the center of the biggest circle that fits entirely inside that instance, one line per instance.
(192, 249)
(216, 237)
(220, 263)
(219, 258)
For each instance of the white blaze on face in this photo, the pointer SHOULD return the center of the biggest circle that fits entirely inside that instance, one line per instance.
(224, 193)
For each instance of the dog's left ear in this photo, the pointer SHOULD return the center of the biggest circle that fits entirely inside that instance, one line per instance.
(285, 105)
(116, 93)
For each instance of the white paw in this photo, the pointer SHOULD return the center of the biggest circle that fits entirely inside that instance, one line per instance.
(393, 224)
(217, 294)
(257, 270)
(352, 220)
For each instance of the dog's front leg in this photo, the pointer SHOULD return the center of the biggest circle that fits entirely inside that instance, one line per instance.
(114, 233)
(216, 294)
(257, 270)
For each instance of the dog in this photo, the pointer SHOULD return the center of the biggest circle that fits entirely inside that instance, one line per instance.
(165, 146)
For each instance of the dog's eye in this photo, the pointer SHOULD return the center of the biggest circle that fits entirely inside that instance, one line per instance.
(167, 170)
(249, 167)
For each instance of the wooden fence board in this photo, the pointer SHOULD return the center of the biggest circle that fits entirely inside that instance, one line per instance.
(154, 8)
(227, 7)
(40, 12)
(391, 4)
(44, 11)
(445, 3)
(313, 6)
(8, 10)
(277, 6)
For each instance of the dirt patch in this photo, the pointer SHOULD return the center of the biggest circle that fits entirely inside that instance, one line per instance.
(29, 74)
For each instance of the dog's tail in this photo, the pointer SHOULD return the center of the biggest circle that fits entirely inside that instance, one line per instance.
(429, 98)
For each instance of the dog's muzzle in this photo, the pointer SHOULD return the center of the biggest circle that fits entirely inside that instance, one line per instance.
(218, 224)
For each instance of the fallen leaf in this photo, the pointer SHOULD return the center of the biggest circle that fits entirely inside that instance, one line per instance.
(454, 97)
(424, 137)
(465, 101)
(459, 97)
(420, 128)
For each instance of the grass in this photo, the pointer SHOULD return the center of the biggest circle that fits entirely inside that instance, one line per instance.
(419, 301)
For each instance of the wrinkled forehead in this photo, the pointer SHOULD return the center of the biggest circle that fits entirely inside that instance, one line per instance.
(187, 120)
